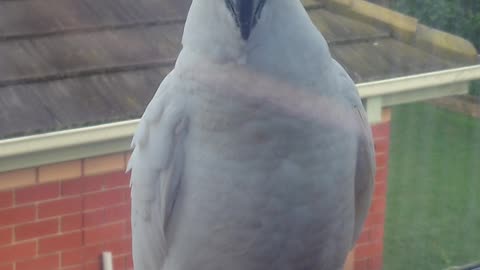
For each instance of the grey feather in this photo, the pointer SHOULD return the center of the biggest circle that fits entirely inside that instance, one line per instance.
(156, 164)
(253, 154)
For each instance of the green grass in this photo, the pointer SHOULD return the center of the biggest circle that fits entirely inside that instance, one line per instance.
(433, 212)
(475, 88)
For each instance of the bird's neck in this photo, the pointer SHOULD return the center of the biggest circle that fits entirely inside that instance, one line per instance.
(289, 46)
(209, 33)
(283, 40)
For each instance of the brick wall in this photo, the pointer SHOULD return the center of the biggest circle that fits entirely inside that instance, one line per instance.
(368, 253)
(66, 215)
(63, 216)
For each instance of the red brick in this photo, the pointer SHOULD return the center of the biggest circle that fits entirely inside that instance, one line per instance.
(60, 207)
(18, 178)
(364, 251)
(128, 192)
(381, 130)
(37, 193)
(107, 215)
(82, 255)
(49, 262)
(375, 263)
(71, 222)
(106, 198)
(381, 160)
(116, 213)
(381, 175)
(119, 247)
(368, 250)
(377, 233)
(104, 164)
(105, 233)
(77, 267)
(379, 247)
(375, 219)
(82, 185)
(382, 145)
(361, 264)
(117, 179)
(61, 242)
(93, 266)
(17, 215)
(94, 218)
(378, 205)
(380, 190)
(18, 252)
(6, 266)
(72, 257)
(36, 229)
(129, 262)
(128, 224)
(119, 262)
(6, 199)
(6, 236)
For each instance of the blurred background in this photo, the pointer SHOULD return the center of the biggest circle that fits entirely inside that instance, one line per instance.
(432, 211)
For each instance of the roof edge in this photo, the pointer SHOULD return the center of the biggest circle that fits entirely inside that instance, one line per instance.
(48, 148)
(419, 81)
(53, 147)
(439, 42)
(408, 29)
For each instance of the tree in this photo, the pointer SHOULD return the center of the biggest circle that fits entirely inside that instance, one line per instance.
(460, 17)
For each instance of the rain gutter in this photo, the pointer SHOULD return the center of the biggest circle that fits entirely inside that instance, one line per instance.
(53, 147)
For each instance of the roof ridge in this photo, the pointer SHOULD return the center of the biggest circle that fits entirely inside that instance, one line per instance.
(408, 29)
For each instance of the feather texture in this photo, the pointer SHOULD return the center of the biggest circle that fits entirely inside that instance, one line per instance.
(253, 154)
(156, 164)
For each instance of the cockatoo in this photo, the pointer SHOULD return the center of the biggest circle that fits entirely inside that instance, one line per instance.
(255, 153)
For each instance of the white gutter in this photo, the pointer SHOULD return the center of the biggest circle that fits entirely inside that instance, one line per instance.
(53, 147)
(419, 81)
(36, 150)
(67, 138)
(415, 88)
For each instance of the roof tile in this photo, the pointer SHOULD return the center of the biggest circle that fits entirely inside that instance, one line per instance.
(71, 63)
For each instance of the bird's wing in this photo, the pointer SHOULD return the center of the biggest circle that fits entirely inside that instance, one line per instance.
(365, 172)
(365, 159)
(156, 164)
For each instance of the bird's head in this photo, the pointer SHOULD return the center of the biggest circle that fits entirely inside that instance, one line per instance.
(229, 24)
(235, 30)
(246, 14)
(222, 29)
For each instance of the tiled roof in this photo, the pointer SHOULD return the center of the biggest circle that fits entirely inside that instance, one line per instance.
(71, 63)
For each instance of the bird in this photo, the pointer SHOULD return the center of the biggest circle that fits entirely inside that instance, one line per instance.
(255, 152)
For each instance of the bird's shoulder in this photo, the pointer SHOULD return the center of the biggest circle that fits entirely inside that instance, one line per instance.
(168, 105)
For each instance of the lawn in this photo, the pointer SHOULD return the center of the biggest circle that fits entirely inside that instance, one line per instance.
(433, 212)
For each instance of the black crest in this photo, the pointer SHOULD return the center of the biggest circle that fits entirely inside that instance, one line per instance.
(246, 14)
